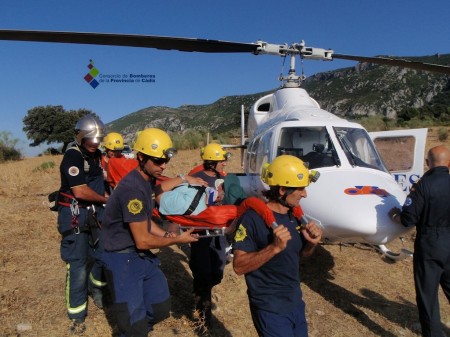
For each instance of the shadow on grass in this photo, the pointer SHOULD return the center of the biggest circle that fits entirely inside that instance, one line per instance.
(315, 274)
(180, 285)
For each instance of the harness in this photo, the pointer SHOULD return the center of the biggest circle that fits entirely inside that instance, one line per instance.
(91, 225)
(74, 146)
(67, 199)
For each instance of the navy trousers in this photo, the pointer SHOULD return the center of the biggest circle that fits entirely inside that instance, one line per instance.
(139, 289)
(82, 262)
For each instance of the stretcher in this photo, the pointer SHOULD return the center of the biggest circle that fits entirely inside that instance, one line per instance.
(221, 220)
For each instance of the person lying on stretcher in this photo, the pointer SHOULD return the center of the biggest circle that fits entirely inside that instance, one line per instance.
(186, 199)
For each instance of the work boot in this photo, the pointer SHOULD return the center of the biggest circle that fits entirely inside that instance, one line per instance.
(77, 326)
(97, 296)
(202, 314)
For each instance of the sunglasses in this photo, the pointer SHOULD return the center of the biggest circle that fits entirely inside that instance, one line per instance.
(159, 161)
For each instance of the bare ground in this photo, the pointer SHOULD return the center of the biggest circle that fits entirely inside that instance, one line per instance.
(350, 290)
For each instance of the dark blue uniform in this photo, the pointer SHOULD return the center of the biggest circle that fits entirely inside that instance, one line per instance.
(274, 290)
(428, 208)
(207, 262)
(140, 291)
(79, 168)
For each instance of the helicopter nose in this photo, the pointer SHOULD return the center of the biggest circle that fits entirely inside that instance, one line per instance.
(354, 206)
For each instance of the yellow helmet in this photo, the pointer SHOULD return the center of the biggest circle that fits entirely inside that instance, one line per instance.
(155, 143)
(113, 141)
(214, 152)
(286, 170)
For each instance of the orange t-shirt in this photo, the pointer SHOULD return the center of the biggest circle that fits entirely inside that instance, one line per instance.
(119, 167)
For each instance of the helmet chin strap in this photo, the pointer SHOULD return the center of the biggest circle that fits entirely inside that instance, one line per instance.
(283, 202)
(282, 199)
(142, 163)
(212, 168)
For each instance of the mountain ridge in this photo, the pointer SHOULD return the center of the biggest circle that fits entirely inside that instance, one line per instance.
(363, 90)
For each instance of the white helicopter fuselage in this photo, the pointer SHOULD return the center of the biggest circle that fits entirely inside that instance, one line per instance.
(352, 197)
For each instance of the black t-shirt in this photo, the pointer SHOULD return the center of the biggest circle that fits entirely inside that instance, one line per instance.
(275, 286)
(210, 180)
(79, 168)
(131, 201)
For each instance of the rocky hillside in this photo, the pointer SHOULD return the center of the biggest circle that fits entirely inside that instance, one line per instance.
(363, 90)
(369, 89)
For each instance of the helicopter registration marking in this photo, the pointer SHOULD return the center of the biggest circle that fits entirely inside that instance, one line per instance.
(360, 190)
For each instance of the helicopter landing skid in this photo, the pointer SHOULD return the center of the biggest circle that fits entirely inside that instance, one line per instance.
(404, 253)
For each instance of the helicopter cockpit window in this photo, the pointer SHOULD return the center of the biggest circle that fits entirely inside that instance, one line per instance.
(263, 150)
(311, 144)
(359, 148)
(258, 152)
(251, 154)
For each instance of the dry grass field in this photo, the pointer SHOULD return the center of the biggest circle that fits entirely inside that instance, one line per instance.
(350, 290)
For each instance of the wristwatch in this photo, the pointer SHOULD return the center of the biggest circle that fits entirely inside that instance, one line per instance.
(183, 178)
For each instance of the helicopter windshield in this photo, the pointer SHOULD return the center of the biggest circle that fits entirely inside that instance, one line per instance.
(310, 144)
(359, 148)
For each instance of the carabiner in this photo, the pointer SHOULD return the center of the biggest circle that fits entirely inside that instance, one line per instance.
(74, 207)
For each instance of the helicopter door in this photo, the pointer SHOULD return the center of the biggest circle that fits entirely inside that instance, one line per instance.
(403, 153)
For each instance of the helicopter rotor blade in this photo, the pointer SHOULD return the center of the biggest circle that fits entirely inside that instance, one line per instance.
(437, 68)
(205, 46)
(145, 41)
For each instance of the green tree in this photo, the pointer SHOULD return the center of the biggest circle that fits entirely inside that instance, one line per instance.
(52, 124)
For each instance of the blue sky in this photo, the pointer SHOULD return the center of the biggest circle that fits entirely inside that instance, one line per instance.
(35, 74)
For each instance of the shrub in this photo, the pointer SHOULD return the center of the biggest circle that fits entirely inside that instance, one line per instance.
(188, 140)
(9, 153)
(442, 134)
(45, 166)
(8, 149)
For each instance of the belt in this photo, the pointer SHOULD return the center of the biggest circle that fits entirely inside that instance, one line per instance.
(75, 230)
(130, 250)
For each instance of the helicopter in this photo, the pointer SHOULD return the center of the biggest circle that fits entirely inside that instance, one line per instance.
(351, 200)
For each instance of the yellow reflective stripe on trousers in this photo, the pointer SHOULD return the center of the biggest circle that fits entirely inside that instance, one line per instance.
(95, 282)
(71, 310)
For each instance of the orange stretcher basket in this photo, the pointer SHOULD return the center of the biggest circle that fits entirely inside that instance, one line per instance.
(220, 220)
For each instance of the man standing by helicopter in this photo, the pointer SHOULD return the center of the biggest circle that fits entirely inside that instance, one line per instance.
(269, 257)
(427, 207)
